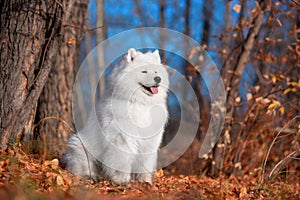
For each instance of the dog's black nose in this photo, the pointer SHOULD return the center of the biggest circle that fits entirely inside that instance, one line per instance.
(157, 79)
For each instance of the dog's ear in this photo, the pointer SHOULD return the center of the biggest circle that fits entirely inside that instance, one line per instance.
(131, 53)
(156, 56)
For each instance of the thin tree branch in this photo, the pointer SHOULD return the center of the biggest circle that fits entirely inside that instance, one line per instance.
(283, 162)
(269, 150)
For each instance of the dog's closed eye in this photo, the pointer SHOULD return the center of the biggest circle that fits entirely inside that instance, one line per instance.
(144, 72)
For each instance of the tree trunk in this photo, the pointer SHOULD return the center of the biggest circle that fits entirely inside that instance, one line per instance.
(29, 32)
(186, 47)
(101, 35)
(54, 111)
(34, 42)
(207, 11)
(162, 24)
(227, 36)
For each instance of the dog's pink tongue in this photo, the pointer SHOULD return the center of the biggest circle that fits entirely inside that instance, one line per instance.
(154, 90)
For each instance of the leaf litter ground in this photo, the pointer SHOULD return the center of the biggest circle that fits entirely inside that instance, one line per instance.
(27, 177)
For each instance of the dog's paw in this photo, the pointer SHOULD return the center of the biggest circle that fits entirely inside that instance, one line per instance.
(121, 178)
(145, 177)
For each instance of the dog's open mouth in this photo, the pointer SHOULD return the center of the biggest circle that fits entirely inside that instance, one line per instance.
(150, 89)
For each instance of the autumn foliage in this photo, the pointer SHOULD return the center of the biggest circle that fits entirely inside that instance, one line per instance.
(26, 177)
(259, 59)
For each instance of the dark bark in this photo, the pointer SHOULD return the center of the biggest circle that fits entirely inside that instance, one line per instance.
(186, 47)
(207, 11)
(162, 24)
(54, 110)
(187, 17)
(207, 15)
(37, 39)
(29, 30)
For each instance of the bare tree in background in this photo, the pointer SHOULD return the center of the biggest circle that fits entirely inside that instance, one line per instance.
(227, 35)
(162, 24)
(207, 11)
(186, 47)
(101, 35)
(232, 77)
(38, 38)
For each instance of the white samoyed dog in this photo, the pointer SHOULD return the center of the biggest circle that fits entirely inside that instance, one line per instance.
(121, 138)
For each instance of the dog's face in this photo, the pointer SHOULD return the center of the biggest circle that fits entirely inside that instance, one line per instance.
(149, 81)
(141, 78)
(147, 73)
(152, 79)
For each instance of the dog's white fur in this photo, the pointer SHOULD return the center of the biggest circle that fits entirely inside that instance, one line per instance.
(120, 141)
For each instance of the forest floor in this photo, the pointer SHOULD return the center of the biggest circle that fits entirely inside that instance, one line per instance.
(27, 177)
